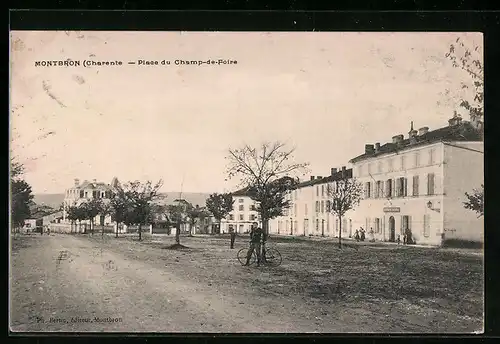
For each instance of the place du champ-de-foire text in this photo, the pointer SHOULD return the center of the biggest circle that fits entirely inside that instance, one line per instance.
(146, 63)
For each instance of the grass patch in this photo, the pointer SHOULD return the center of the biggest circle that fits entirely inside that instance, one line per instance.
(458, 243)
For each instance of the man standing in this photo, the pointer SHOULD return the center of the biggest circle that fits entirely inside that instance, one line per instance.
(232, 233)
(255, 239)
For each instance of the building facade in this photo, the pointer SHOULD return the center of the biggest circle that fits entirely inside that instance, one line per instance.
(417, 185)
(242, 216)
(86, 191)
(309, 212)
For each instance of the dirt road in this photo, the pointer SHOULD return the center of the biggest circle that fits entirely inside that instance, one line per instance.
(71, 283)
(65, 283)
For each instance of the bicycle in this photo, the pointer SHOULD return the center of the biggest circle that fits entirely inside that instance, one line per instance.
(272, 256)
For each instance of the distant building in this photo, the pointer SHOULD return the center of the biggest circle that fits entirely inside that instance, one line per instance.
(309, 213)
(417, 184)
(82, 192)
(242, 216)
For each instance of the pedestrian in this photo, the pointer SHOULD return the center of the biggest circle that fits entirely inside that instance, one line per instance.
(255, 243)
(356, 235)
(372, 235)
(399, 239)
(232, 233)
(362, 235)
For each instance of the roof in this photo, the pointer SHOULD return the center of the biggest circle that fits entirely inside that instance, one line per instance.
(464, 131)
(90, 185)
(323, 180)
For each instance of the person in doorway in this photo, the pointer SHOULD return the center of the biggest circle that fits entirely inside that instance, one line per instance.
(255, 243)
(232, 234)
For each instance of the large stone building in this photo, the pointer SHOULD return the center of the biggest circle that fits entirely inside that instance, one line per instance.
(417, 184)
(309, 213)
(242, 216)
(83, 192)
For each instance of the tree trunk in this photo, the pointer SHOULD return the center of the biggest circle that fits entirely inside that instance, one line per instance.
(178, 233)
(117, 228)
(140, 232)
(265, 230)
(340, 232)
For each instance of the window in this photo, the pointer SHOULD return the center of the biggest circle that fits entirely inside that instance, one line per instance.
(401, 187)
(388, 188)
(427, 225)
(86, 194)
(322, 206)
(241, 217)
(251, 217)
(368, 189)
(317, 206)
(328, 206)
(379, 167)
(390, 164)
(252, 207)
(379, 192)
(417, 159)
(317, 190)
(403, 162)
(377, 226)
(430, 184)
(415, 185)
(241, 207)
(241, 200)
(231, 217)
(431, 156)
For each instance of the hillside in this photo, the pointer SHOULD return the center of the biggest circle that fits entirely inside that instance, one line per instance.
(55, 200)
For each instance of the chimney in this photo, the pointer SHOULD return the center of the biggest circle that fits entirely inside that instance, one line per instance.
(412, 132)
(423, 131)
(77, 182)
(377, 147)
(369, 149)
(455, 120)
(312, 177)
(397, 139)
(333, 170)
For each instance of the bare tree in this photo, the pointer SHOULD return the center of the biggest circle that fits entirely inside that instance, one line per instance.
(344, 194)
(267, 173)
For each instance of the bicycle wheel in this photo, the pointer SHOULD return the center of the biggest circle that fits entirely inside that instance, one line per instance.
(242, 256)
(273, 257)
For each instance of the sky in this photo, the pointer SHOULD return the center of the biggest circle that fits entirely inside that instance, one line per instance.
(326, 94)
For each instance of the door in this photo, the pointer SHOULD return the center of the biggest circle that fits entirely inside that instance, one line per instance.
(392, 229)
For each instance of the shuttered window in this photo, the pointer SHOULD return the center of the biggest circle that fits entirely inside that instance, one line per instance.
(430, 184)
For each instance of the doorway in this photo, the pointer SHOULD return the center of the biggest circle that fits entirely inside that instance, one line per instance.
(392, 229)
